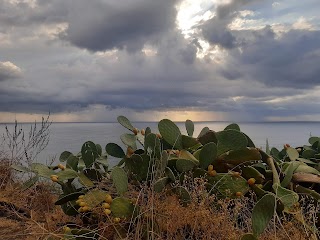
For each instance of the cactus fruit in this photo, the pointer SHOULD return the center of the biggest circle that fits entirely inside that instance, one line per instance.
(251, 181)
(106, 205)
(62, 167)
(212, 173)
(210, 168)
(107, 211)
(142, 132)
(130, 151)
(116, 220)
(135, 131)
(108, 198)
(238, 194)
(54, 178)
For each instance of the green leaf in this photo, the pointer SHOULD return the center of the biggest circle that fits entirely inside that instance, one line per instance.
(189, 127)
(42, 170)
(233, 126)
(89, 153)
(69, 197)
(94, 197)
(72, 162)
(207, 155)
(115, 150)
(230, 140)
(20, 168)
(99, 149)
(129, 140)
(292, 153)
(248, 236)
(28, 184)
(262, 213)
(84, 180)
(125, 122)
(184, 165)
(160, 184)
(170, 133)
(122, 207)
(286, 196)
(120, 180)
(66, 174)
(289, 172)
(64, 156)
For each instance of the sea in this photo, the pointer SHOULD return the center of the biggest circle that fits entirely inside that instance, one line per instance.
(71, 136)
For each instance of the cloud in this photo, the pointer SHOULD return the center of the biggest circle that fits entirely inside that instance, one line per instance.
(9, 71)
(103, 25)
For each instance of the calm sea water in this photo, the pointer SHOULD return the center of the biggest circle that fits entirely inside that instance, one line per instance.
(71, 136)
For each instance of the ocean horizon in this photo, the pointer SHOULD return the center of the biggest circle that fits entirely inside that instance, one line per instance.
(69, 136)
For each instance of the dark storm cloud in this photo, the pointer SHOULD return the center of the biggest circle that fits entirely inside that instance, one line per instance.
(99, 25)
(291, 60)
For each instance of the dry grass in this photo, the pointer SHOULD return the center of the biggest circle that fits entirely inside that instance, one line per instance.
(31, 214)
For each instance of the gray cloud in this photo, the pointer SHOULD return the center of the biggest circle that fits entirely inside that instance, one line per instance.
(9, 71)
(101, 25)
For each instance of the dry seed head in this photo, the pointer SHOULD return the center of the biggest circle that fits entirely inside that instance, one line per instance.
(251, 181)
(210, 168)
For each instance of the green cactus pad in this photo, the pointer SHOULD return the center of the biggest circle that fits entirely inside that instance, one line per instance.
(139, 165)
(203, 131)
(89, 153)
(292, 153)
(240, 156)
(189, 127)
(115, 150)
(230, 140)
(207, 155)
(262, 213)
(233, 126)
(160, 184)
(72, 162)
(129, 140)
(94, 197)
(184, 195)
(312, 140)
(185, 165)
(209, 136)
(188, 142)
(309, 153)
(99, 149)
(42, 170)
(250, 172)
(120, 180)
(225, 185)
(306, 169)
(21, 168)
(93, 174)
(286, 196)
(170, 133)
(152, 144)
(69, 197)
(125, 122)
(170, 174)
(122, 207)
(29, 183)
(64, 156)
(66, 174)
(84, 180)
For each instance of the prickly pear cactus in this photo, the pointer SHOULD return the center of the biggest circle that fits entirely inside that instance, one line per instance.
(120, 180)
(122, 207)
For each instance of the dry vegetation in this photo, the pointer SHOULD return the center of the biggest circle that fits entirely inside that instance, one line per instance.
(31, 213)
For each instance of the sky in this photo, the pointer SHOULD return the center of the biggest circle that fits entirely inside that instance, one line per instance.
(204, 60)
